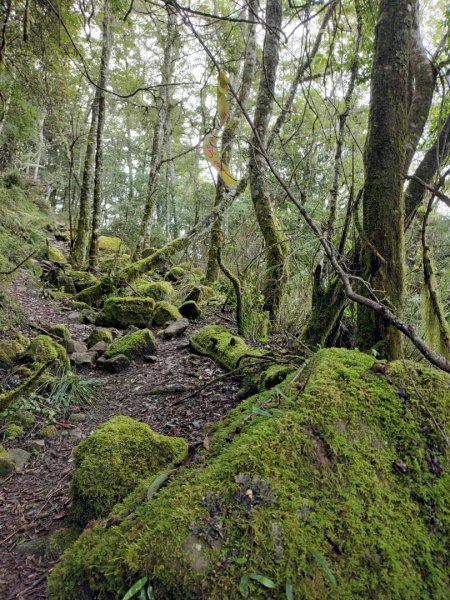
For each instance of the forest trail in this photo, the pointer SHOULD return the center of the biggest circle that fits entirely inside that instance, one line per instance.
(33, 502)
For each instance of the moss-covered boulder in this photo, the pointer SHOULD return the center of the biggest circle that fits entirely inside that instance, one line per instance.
(83, 279)
(13, 431)
(65, 283)
(60, 331)
(165, 313)
(10, 352)
(48, 432)
(200, 293)
(158, 290)
(43, 349)
(133, 345)
(99, 334)
(177, 273)
(111, 462)
(111, 244)
(190, 310)
(7, 465)
(122, 312)
(55, 255)
(334, 489)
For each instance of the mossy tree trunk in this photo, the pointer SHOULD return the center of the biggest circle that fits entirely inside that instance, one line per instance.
(98, 176)
(229, 136)
(158, 145)
(79, 250)
(275, 244)
(382, 257)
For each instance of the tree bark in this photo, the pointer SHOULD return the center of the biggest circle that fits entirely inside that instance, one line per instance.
(382, 257)
(158, 134)
(275, 245)
(98, 176)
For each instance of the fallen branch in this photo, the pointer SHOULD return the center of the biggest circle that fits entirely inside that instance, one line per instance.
(19, 265)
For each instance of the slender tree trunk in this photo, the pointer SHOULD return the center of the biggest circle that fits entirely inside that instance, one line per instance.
(228, 139)
(40, 144)
(79, 250)
(158, 134)
(98, 176)
(275, 244)
(383, 203)
(5, 13)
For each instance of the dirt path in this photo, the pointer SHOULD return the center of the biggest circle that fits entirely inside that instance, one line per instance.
(34, 503)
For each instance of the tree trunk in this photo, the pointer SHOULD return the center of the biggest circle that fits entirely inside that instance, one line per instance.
(229, 136)
(78, 256)
(275, 244)
(98, 177)
(40, 144)
(158, 134)
(382, 257)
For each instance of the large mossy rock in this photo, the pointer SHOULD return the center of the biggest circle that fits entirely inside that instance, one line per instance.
(10, 351)
(133, 345)
(122, 312)
(111, 462)
(339, 490)
(165, 313)
(83, 280)
(43, 349)
(111, 244)
(158, 290)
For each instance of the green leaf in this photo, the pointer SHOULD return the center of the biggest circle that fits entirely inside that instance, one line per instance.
(241, 560)
(323, 564)
(135, 588)
(265, 581)
(150, 593)
(283, 395)
(256, 410)
(289, 590)
(243, 585)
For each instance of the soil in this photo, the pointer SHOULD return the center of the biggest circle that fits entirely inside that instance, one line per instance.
(169, 395)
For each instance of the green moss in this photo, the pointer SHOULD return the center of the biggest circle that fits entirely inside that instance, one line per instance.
(10, 351)
(99, 334)
(21, 417)
(200, 293)
(176, 274)
(55, 255)
(112, 244)
(158, 290)
(49, 431)
(165, 313)
(6, 463)
(65, 283)
(133, 345)
(61, 331)
(309, 491)
(83, 280)
(43, 349)
(96, 294)
(122, 312)
(79, 305)
(225, 348)
(190, 310)
(112, 461)
(13, 431)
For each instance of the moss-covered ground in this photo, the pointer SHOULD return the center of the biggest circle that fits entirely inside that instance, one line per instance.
(333, 484)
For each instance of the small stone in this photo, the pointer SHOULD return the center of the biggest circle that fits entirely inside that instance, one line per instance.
(115, 364)
(197, 424)
(20, 458)
(75, 346)
(401, 466)
(149, 358)
(99, 347)
(76, 433)
(37, 546)
(183, 345)
(77, 418)
(176, 329)
(74, 315)
(36, 445)
(83, 358)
